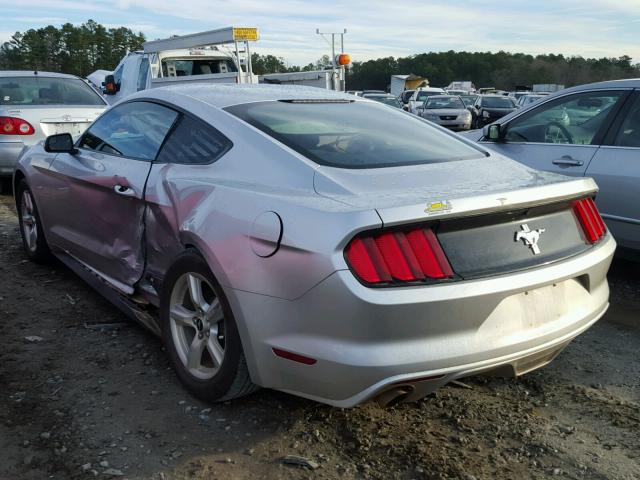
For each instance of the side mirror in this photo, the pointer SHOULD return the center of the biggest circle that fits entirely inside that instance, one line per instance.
(110, 85)
(492, 132)
(61, 143)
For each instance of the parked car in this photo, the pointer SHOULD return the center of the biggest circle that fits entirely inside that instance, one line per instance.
(416, 101)
(591, 130)
(448, 111)
(385, 98)
(316, 243)
(488, 108)
(525, 100)
(36, 104)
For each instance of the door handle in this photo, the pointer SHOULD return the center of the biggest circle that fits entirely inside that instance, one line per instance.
(124, 190)
(567, 161)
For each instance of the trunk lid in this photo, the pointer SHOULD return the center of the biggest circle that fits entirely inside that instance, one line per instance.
(475, 207)
(53, 119)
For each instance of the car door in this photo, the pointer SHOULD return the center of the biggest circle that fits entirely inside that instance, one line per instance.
(563, 134)
(98, 206)
(616, 170)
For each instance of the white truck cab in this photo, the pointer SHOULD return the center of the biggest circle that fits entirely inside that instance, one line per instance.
(202, 56)
(416, 101)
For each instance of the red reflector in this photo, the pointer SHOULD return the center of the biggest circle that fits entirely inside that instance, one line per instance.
(590, 219)
(398, 256)
(294, 357)
(15, 126)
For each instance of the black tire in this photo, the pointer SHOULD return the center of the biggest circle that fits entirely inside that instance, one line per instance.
(39, 250)
(232, 379)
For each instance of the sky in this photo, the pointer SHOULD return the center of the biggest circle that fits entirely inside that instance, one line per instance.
(375, 28)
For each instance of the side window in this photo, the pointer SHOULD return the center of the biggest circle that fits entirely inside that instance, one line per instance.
(629, 133)
(143, 73)
(135, 130)
(194, 142)
(573, 120)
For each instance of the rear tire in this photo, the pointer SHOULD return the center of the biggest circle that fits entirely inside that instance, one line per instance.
(33, 241)
(200, 333)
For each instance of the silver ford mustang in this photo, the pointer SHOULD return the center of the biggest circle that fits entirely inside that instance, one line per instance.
(315, 242)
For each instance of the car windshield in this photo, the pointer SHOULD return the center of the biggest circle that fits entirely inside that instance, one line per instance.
(179, 67)
(422, 96)
(497, 102)
(440, 101)
(386, 99)
(40, 90)
(353, 134)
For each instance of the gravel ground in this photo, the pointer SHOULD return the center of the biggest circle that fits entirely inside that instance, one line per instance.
(81, 402)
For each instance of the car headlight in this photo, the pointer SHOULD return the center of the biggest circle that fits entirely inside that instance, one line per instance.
(466, 116)
(485, 114)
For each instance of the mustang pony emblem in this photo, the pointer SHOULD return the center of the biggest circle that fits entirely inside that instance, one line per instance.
(530, 237)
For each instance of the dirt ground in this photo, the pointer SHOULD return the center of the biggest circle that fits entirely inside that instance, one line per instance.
(87, 402)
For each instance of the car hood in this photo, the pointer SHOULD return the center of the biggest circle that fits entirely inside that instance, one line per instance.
(404, 193)
(445, 111)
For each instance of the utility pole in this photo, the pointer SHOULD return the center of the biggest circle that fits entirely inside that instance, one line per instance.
(338, 83)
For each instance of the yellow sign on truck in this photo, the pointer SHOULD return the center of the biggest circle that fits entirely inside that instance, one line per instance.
(245, 34)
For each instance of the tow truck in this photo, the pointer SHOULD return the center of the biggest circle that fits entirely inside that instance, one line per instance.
(217, 56)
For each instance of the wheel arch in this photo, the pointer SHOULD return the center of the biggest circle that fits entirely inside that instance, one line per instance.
(191, 242)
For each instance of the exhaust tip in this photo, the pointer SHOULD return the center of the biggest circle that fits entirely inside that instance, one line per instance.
(393, 396)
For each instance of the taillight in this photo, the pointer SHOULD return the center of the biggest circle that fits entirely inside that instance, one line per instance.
(15, 126)
(590, 219)
(398, 257)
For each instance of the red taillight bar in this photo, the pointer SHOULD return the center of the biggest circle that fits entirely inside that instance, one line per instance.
(397, 257)
(590, 219)
(15, 126)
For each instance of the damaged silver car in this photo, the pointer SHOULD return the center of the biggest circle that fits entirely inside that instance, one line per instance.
(316, 242)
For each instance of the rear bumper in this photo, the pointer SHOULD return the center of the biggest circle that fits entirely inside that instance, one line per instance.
(367, 340)
(9, 153)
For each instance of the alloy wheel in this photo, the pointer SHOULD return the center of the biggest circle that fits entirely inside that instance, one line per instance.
(29, 223)
(197, 325)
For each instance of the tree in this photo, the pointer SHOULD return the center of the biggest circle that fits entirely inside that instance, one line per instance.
(71, 49)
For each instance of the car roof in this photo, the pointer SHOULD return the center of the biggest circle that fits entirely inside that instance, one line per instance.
(34, 73)
(225, 95)
(624, 83)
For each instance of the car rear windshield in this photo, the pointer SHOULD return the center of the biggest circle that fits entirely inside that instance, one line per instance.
(497, 102)
(39, 90)
(353, 134)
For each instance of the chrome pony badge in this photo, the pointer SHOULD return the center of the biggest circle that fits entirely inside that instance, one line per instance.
(530, 237)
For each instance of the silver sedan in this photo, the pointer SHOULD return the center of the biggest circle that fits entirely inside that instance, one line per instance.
(315, 242)
(448, 111)
(34, 105)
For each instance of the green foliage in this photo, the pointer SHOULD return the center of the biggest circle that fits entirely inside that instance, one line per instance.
(69, 49)
(501, 70)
